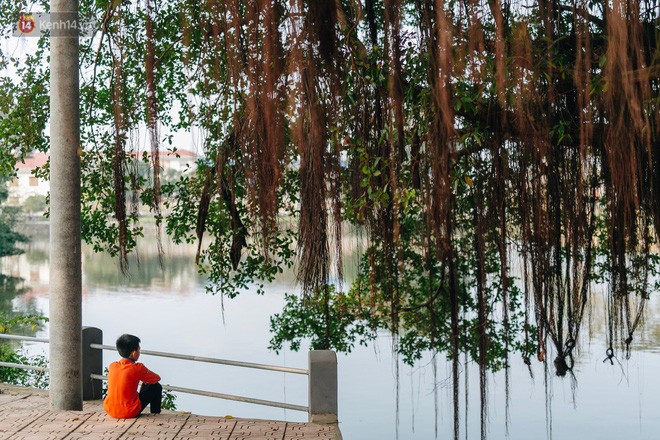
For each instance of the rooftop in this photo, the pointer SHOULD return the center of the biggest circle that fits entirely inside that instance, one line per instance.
(39, 159)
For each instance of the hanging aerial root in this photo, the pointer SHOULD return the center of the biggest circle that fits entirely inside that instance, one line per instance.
(152, 124)
(118, 160)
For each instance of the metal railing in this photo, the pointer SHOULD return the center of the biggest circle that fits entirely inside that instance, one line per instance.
(210, 360)
(22, 366)
(224, 396)
(319, 394)
(221, 362)
(23, 338)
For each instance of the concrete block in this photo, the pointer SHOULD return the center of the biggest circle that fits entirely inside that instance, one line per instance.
(322, 386)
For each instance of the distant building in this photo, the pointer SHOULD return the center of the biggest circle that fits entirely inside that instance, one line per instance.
(25, 184)
(177, 161)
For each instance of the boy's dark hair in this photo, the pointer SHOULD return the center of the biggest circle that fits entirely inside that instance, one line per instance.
(127, 344)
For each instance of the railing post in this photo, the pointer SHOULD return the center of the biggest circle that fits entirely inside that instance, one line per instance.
(92, 363)
(322, 386)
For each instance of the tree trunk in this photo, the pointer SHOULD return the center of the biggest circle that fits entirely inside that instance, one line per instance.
(65, 304)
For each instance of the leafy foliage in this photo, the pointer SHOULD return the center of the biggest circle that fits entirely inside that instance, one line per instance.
(9, 353)
(457, 135)
(24, 378)
(304, 319)
(9, 238)
(169, 401)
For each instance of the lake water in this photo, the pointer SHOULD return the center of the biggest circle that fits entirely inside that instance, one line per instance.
(171, 312)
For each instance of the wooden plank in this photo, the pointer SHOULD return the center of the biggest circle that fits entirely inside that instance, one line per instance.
(52, 426)
(13, 420)
(102, 427)
(212, 428)
(27, 416)
(258, 429)
(297, 431)
(29, 402)
(162, 426)
(6, 398)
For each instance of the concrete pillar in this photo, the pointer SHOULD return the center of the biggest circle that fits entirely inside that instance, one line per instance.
(322, 386)
(65, 302)
(92, 363)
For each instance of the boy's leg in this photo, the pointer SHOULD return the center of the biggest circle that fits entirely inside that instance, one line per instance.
(151, 394)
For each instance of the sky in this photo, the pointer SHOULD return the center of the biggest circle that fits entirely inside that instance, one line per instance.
(20, 47)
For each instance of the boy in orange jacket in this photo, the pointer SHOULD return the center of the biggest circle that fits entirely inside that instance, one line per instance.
(123, 400)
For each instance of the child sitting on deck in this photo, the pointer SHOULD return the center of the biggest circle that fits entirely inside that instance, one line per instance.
(122, 400)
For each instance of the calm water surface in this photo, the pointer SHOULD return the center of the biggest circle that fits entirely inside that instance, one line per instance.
(171, 312)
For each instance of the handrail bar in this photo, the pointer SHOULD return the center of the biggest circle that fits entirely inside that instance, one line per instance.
(211, 360)
(23, 338)
(224, 396)
(23, 367)
(308, 409)
(176, 356)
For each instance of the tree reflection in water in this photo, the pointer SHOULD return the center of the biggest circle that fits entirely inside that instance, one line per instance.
(359, 314)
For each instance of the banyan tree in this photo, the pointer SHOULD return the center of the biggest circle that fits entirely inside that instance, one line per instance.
(497, 158)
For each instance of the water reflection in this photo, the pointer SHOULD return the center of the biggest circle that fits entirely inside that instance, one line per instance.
(100, 270)
(171, 312)
(10, 289)
(178, 274)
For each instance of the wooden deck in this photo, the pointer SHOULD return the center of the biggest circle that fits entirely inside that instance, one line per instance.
(25, 414)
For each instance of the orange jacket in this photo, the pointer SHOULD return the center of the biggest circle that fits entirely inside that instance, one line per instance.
(122, 400)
